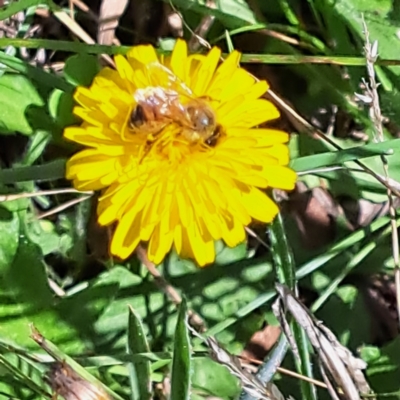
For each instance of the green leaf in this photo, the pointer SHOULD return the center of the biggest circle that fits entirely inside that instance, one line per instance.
(17, 97)
(26, 298)
(285, 270)
(382, 19)
(232, 13)
(139, 371)
(181, 363)
(37, 145)
(26, 276)
(19, 373)
(9, 233)
(46, 172)
(348, 314)
(327, 159)
(61, 105)
(56, 45)
(24, 292)
(377, 15)
(21, 5)
(80, 69)
(384, 366)
(45, 79)
(214, 378)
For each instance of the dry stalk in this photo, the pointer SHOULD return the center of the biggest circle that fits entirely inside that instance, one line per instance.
(371, 98)
(194, 319)
(303, 124)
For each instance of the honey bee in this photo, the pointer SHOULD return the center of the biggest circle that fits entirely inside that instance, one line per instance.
(156, 107)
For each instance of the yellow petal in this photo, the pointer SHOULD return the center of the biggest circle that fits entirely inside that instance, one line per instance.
(160, 243)
(145, 54)
(204, 73)
(259, 205)
(264, 137)
(125, 72)
(227, 68)
(203, 251)
(126, 236)
(235, 235)
(178, 59)
(280, 177)
(248, 114)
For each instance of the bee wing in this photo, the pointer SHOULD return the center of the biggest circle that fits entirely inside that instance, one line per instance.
(161, 76)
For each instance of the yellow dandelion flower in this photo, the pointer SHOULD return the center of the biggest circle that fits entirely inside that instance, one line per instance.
(174, 144)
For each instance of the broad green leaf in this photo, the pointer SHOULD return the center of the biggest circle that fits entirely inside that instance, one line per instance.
(17, 97)
(45, 234)
(347, 314)
(377, 15)
(232, 13)
(214, 378)
(27, 298)
(80, 69)
(181, 362)
(9, 233)
(227, 255)
(61, 106)
(382, 19)
(139, 371)
(26, 276)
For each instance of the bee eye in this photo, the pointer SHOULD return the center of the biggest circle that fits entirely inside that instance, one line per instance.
(191, 111)
(204, 121)
(137, 117)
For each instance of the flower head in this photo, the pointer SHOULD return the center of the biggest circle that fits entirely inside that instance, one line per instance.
(174, 144)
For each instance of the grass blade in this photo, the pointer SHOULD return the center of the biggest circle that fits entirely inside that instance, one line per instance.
(46, 172)
(139, 371)
(315, 161)
(18, 6)
(181, 362)
(44, 78)
(60, 356)
(285, 271)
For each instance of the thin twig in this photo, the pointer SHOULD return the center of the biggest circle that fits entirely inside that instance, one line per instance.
(77, 30)
(372, 98)
(194, 319)
(198, 35)
(17, 196)
(62, 207)
(282, 371)
(201, 41)
(257, 237)
(56, 288)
